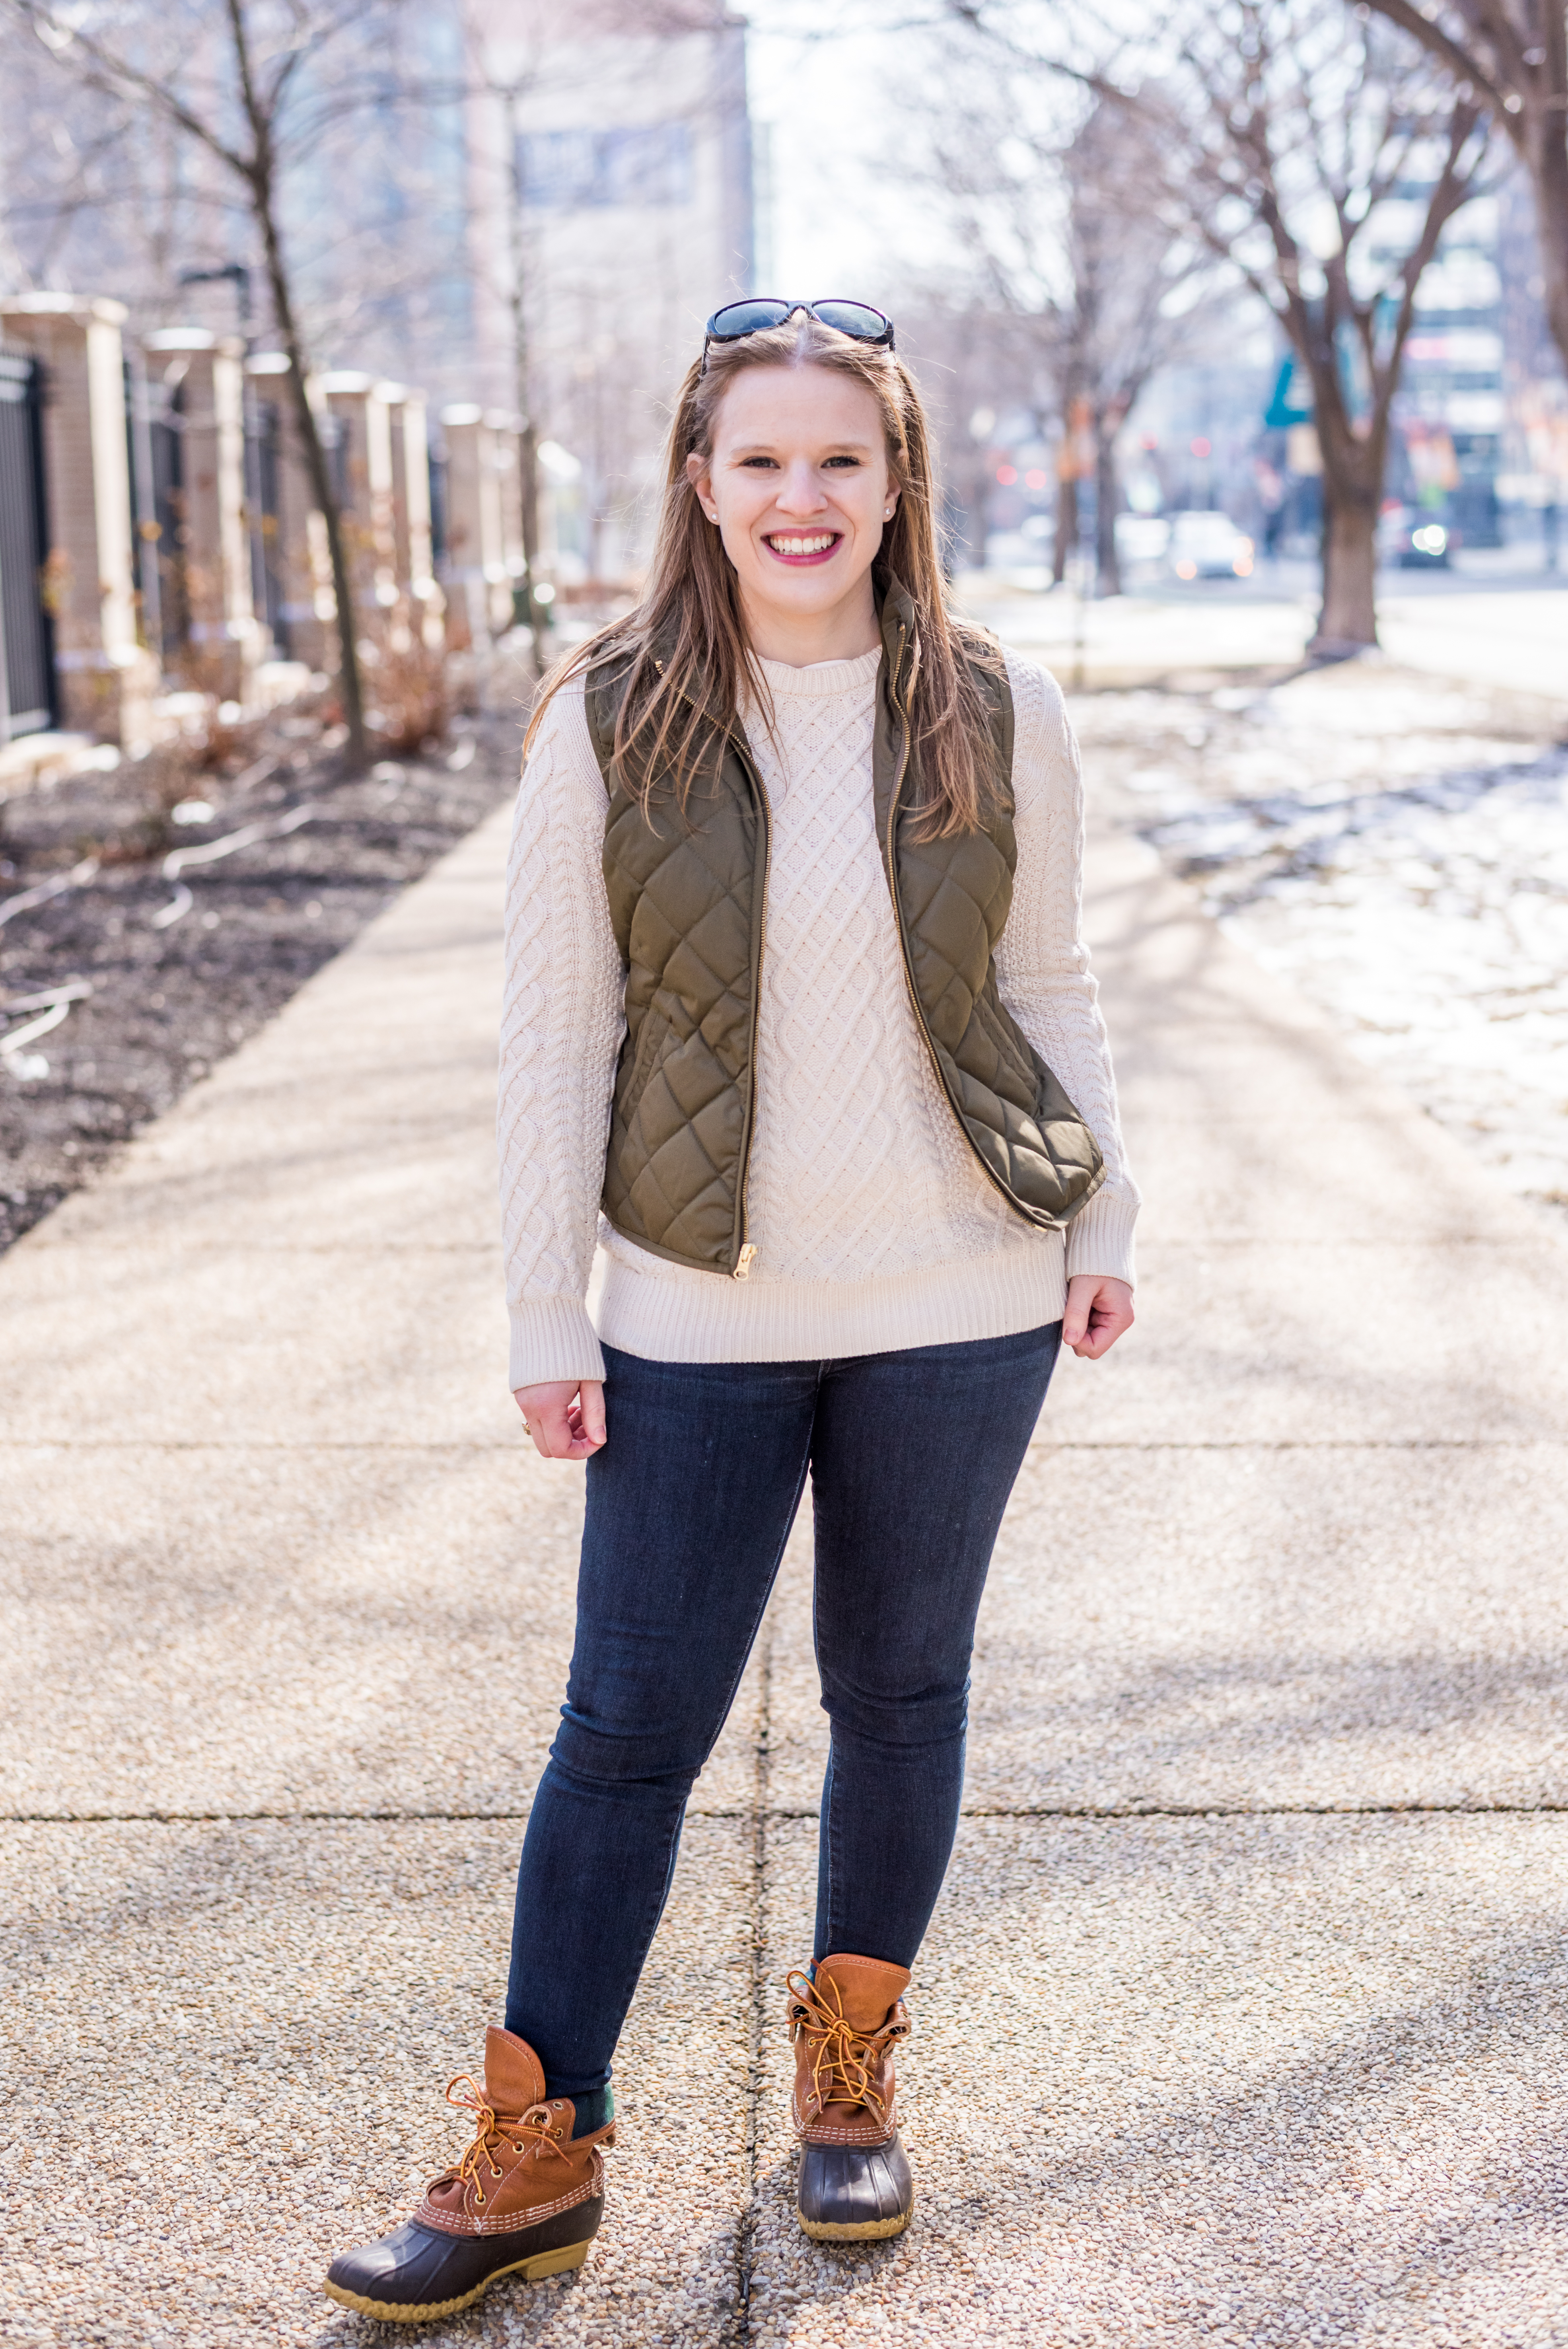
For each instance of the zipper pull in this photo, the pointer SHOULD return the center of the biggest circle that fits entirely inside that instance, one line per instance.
(743, 1263)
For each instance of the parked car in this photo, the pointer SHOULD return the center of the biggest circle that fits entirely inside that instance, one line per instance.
(1208, 546)
(1141, 538)
(1415, 541)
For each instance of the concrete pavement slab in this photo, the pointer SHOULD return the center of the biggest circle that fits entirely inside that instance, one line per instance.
(344, 1155)
(1172, 2082)
(360, 1344)
(1386, 1184)
(196, 1630)
(228, 2045)
(1193, 1630)
(360, 1114)
(1253, 1342)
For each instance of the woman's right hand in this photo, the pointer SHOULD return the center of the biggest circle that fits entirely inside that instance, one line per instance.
(566, 1417)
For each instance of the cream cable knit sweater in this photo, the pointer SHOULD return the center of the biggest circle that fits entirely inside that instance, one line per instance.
(874, 1226)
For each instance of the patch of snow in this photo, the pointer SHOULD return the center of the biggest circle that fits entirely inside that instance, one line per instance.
(1394, 854)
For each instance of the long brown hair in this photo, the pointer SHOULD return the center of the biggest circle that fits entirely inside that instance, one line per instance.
(691, 610)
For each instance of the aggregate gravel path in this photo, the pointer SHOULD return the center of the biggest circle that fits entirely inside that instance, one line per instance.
(239, 2032)
(1261, 2081)
(1242, 2016)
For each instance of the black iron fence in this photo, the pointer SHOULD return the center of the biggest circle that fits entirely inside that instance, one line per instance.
(26, 648)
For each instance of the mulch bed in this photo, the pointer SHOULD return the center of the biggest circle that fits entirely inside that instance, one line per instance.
(163, 1002)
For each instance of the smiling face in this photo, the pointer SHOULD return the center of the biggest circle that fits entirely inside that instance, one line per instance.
(799, 484)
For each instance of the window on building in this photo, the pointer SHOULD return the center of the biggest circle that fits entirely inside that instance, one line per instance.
(568, 171)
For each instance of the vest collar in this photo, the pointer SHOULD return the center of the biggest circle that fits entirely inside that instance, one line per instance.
(890, 732)
(900, 640)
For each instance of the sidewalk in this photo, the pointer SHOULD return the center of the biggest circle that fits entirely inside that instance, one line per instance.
(1241, 2017)
(1515, 637)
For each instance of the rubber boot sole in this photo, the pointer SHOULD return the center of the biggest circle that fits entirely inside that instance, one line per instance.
(533, 2270)
(868, 2230)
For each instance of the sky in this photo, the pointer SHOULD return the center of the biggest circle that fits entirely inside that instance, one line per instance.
(823, 87)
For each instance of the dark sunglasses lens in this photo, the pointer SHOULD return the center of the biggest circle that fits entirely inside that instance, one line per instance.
(855, 318)
(746, 318)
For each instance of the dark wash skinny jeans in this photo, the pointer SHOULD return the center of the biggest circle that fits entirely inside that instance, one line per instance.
(912, 1457)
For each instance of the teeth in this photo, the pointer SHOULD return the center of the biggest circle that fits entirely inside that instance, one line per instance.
(803, 545)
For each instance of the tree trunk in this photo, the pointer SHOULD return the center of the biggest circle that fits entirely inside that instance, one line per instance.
(1067, 527)
(258, 178)
(1108, 496)
(537, 610)
(350, 693)
(1550, 178)
(1349, 620)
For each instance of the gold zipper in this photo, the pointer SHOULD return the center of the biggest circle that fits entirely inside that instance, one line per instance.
(746, 1256)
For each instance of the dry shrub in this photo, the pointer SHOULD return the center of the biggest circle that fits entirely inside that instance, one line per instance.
(170, 772)
(185, 766)
(412, 693)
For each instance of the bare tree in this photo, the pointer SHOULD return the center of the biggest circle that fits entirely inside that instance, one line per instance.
(1512, 56)
(1098, 276)
(586, 326)
(506, 93)
(972, 364)
(251, 86)
(1321, 155)
(1141, 297)
(1324, 156)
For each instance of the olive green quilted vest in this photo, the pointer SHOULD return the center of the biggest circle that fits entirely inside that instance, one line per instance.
(687, 891)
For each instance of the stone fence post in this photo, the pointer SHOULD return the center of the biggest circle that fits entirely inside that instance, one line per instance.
(484, 521)
(208, 568)
(105, 676)
(294, 535)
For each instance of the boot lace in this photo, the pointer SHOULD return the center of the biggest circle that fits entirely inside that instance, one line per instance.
(530, 2133)
(842, 2059)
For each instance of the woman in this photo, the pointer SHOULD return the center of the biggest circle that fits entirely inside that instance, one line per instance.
(797, 1004)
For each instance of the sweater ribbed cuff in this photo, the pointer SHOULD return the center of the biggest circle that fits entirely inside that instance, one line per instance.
(1099, 1240)
(553, 1339)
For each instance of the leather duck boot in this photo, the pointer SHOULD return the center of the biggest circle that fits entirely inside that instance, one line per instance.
(525, 2200)
(854, 2184)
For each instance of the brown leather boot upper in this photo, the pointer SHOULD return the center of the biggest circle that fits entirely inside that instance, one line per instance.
(845, 2026)
(522, 2165)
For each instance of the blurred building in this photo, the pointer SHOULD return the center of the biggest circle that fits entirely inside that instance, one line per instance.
(609, 159)
(1533, 483)
(1449, 412)
(1192, 441)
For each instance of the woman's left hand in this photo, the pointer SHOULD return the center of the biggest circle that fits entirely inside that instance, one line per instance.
(1098, 1311)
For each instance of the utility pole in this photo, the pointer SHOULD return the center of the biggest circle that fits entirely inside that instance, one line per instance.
(537, 593)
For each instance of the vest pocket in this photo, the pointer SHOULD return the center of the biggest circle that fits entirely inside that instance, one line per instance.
(653, 1037)
(630, 1085)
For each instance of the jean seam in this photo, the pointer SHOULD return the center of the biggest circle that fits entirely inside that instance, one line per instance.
(768, 1585)
(672, 1849)
(834, 1842)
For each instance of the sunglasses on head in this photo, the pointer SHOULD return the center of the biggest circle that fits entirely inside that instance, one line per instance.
(738, 319)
